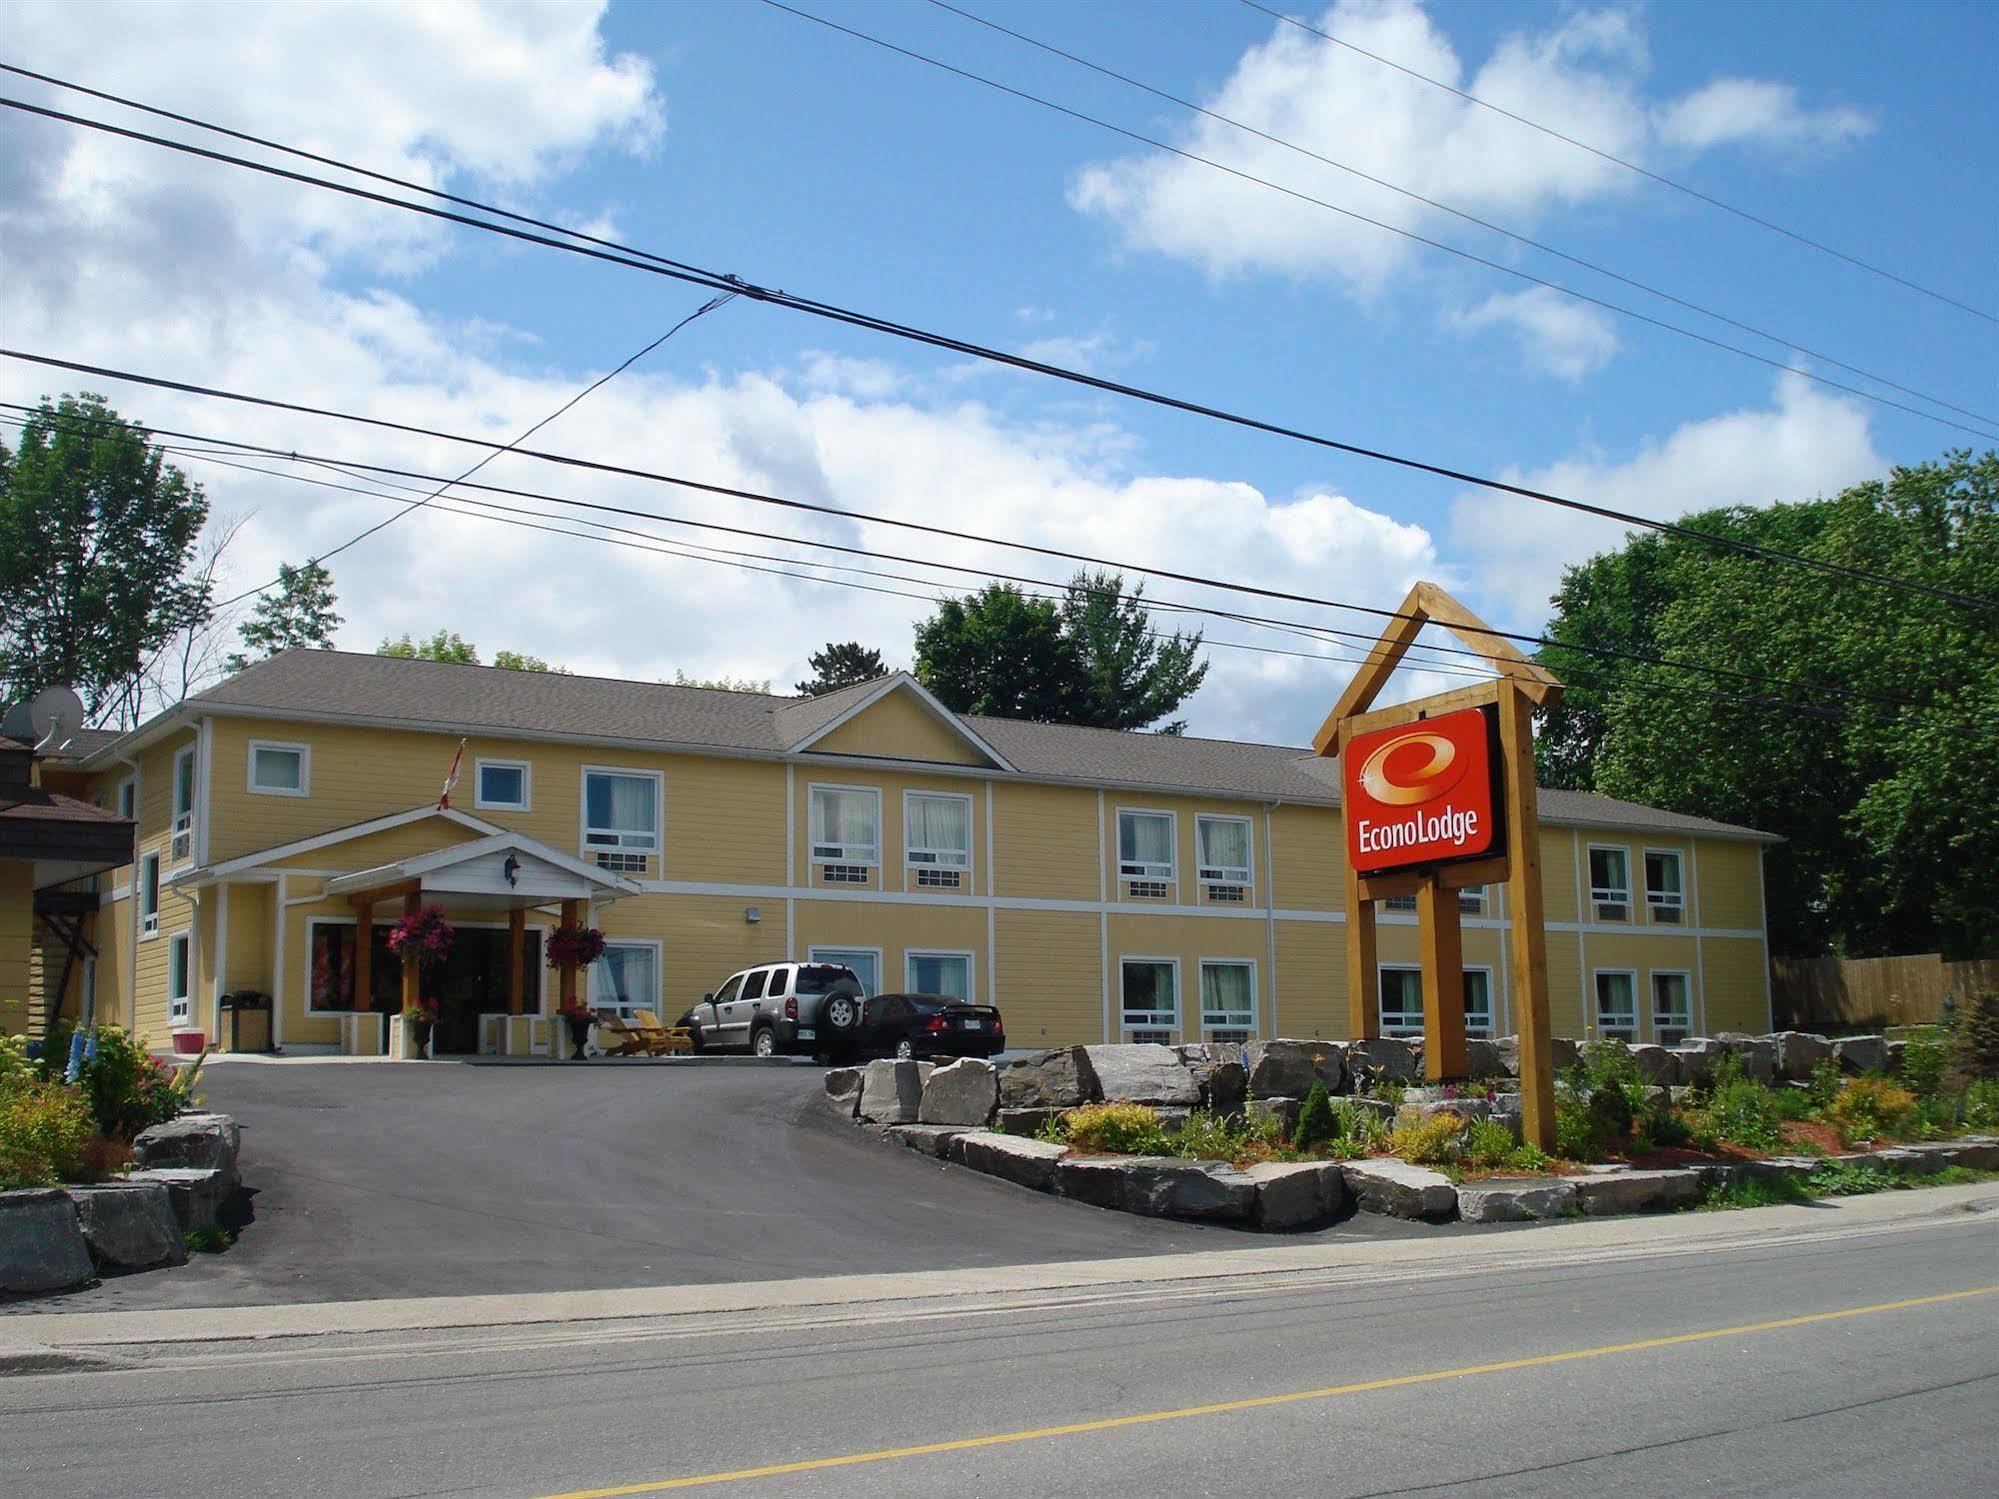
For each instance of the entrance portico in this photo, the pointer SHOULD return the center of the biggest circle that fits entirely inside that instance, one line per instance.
(499, 877)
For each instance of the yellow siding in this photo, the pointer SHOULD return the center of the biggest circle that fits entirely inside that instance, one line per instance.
(17, 919)
(899, 727)
(1312, 979)
(703, 939)
(1051, 978)
(1189, 940)
(1730, 886)
(1737, 972)
(372, 850)
(895, 930)
(1184, 810)
(1046, 842)
(1305, 847)
(893, 872)
(1559, 851)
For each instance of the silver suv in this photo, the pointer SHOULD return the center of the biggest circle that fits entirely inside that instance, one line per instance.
(779, 1008)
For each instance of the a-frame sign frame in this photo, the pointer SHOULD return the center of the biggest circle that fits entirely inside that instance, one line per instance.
(1519, 687)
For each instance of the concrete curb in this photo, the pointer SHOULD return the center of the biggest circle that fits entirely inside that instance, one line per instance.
(1398, 1261)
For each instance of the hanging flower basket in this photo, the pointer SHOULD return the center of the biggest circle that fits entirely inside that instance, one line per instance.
(579, 946)
(423, 938)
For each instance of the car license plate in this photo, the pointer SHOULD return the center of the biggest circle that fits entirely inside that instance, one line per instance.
(975, 1025)
(806, 1033)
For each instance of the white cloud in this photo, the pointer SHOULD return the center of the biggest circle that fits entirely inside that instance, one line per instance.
(1092, 353)
(1806, 443)
(1582, 77)
(1733, 111)
(1557, 334)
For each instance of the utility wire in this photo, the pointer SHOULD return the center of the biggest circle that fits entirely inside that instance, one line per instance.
(1629, 166)
(644, 260)
(1459, 213)
(1409, 234)
(1088, 559)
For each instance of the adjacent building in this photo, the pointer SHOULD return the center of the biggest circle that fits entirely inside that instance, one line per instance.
(1094, 884)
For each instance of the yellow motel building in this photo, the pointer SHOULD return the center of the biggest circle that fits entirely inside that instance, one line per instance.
(1095, 885)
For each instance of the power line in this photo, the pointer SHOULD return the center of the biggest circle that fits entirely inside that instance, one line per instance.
(715, 281)
(815, 507)
(1458, 213)
(1629, 166)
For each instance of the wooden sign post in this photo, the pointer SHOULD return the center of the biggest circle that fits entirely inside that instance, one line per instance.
(1438, 797)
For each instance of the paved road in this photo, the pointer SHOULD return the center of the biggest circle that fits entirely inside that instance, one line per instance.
(381, 1181)
(1903, 1397)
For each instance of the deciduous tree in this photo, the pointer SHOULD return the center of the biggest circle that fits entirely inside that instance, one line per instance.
(298, 612)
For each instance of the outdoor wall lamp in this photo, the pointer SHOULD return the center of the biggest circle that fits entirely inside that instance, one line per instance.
(752, 915)
(512, 870)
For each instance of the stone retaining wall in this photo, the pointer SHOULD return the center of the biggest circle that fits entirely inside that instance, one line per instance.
(59, 1238)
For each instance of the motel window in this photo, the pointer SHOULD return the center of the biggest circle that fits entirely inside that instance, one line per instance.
(1610, 884)
(865, 962)
(1402, 1002)
(180, 977)
(1616, 1006)
(1150, 997)
(1145, 853)
(1222, 849)
(181, 847)
(845, 829)
(1228, 1000)
(501, 786)
(1403, 903)
(1471, 901)
(128, 797)
(626, 978)
(329, 980)
(1672, 1008)
(937, 838)
(621, 818)
(149, 895)
(280, 769)
(1665, 892)
(947, 973)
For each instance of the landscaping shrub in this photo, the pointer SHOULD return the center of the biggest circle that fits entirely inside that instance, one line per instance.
(1925, 1059)
(1872, 1108)
(1739, 1111)
(1824, 1085)
(1753, 1192)
(1429, 1142)
(1204, 1137)
(1981, 1104)
(129, 1090)
(1116, 1129)
(1663, 1125)
(1317, 1124)
(1975, 1036)
(1579, 1132)
(45, 1134)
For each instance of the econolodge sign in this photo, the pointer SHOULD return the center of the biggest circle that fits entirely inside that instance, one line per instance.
(1422, 793)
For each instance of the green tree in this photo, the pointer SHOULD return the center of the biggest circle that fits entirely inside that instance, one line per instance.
(518, 661)
(1890, 814)
(97, 532)
(1000, 652)
(842, 664)
(445, 645)
(722, 684)
(298, 613)
(1132, 675)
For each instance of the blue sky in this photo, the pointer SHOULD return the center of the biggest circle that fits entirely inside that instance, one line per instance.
(747, 139)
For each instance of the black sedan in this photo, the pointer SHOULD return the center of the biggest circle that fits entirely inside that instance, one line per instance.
(926, 1025)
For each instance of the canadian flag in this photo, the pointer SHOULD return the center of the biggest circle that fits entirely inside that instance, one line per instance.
(444, 797)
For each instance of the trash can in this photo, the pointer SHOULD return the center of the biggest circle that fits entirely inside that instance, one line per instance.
(247, 1013)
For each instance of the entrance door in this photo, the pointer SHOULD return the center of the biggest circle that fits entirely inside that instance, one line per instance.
(473, 982)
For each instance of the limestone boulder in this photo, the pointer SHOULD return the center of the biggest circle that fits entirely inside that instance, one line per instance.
(1293, 1195)
(1798, 1052)
(962, 1092)
(892, 1090)
(1283, 1110)
(1026, 1163)
(1484, 1059)
(843, 1091)
(200, 1142)
(1140, 1072)
(1525, 1199)
(1656, 1065)
(1397, 1189)
(1775, 1168)
(1637, 1191)
(1287, 1069)
(1160, 1187)
(195, 1194)
(931, 1139)
(42, 1247)
(1857, 1054)
(1695, 1060)
(1756, 1054)
(1562, 1052)
(1045, 1080)
(1027, 1122)
(129, 1225)
(1897, 1051)
(1977, 1153)
(1385, 1059)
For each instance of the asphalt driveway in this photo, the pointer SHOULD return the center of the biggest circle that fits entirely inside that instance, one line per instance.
(374, 1180)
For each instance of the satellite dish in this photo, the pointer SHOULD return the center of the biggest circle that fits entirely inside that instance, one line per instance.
(16, 725)
(54, 714)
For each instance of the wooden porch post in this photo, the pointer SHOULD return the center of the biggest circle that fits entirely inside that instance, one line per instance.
(363, 977)
(412, 972)
(1530, 933)
(572, 915)
(517, 927)
(1441, 943)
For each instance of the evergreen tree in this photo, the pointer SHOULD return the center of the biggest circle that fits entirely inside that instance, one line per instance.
(845, 663)
(298, 613)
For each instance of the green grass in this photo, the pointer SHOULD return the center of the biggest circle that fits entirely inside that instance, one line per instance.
(208, 1240)
(1833, 1179)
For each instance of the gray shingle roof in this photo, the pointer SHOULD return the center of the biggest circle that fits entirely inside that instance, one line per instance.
(475, 699)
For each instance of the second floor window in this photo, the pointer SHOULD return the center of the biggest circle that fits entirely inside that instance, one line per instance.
(1610, 884)
(937, 835)
(502, 786)
(279, 769)
(149, 895)
(846, 825)
(1145, 845)
(1222, 847)
(181, 847)
(620, 818)
(1665, 895)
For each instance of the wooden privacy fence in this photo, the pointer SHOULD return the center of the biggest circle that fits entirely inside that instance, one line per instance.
(1873, 991)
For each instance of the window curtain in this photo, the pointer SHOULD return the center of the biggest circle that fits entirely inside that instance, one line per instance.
(1148, 989)
(1225, 993)
(940, 822)
(1145, 840)
(844, 817)
(624, 803)
(933, 974)
(1665, 875)
(626, 975)
(1606, 869)
(1224, 845)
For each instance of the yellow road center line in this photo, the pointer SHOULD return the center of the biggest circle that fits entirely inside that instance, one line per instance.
(1260, 1402)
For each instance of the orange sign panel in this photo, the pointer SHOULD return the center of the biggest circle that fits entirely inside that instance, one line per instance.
(1422, 793)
